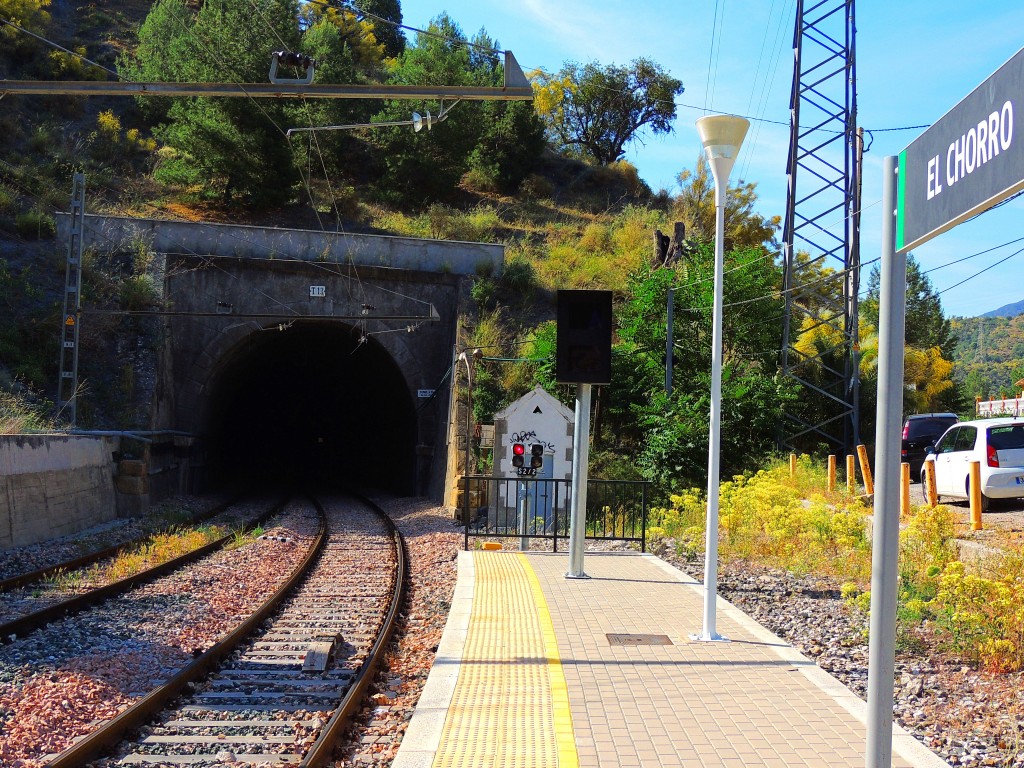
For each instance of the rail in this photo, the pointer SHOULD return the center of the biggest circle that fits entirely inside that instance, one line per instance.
(110, 733)
(537, 508)
(102, 554)
(23, 625)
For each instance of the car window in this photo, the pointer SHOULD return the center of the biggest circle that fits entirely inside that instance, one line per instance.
(1006, 438)
(933, 427)
(965, 438)
(948, 442)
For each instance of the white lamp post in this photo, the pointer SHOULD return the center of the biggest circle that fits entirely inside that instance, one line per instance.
(721, 136)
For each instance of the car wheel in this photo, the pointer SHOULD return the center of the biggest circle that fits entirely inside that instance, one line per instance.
(986, 502)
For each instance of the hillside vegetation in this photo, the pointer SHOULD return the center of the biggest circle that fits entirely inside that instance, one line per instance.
(990, 355)
(546, 179)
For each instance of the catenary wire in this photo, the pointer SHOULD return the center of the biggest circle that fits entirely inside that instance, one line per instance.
(20, 28)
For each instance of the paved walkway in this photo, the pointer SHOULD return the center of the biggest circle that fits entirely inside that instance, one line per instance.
(538, 670)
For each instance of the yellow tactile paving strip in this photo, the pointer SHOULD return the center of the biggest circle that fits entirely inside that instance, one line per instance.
(509, 708)
(564, 735)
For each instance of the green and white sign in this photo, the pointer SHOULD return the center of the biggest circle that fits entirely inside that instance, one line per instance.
(969, 160)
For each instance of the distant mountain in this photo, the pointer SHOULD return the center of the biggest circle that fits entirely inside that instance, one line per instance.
(1010, 310)
(989, 354)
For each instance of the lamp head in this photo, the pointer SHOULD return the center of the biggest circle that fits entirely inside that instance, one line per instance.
(722, 136)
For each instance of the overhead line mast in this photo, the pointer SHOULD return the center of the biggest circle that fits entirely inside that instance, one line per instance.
(822, 232)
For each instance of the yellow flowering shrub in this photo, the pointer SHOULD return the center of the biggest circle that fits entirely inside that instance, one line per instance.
(792, 522)
(779, 520)
(983, 618)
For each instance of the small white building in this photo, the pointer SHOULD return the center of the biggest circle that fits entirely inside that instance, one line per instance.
(536, 418)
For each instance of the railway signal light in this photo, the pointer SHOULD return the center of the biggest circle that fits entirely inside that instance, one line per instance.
(518, 452)
(536, 456)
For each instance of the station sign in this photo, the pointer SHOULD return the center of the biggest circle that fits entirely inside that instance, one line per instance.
(423, 393)
(969, 160)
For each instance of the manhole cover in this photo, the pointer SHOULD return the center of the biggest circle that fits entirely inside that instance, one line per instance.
(620, 639)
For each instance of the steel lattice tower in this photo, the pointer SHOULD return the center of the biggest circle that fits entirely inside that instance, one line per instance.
(821, 263)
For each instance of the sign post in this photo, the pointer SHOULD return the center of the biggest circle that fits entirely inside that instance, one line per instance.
(886, 536)
(968, 161)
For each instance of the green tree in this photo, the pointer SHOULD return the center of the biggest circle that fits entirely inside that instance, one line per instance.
(160, 54)
(926, 324)
(501, 141)
(388, 15)
(234, 148)
(604, 108)
(346, 52)
(695, 207)
(929, 341)
(669, 433)
(357, 43)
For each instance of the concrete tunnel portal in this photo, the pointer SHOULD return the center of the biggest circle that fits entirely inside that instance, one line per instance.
(316, 401)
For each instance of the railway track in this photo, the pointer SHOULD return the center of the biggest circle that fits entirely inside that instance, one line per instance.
(280, 695)
(36, 575)
(30, 603)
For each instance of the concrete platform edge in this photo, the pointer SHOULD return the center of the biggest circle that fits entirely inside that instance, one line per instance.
(423, 737)
(903, 742)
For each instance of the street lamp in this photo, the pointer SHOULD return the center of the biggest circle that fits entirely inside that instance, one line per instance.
(721, 136)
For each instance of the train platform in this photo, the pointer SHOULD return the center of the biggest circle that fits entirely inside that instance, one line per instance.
(535, 669)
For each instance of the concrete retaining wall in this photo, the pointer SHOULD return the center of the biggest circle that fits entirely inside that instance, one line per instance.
(459, 258)
(53, 485)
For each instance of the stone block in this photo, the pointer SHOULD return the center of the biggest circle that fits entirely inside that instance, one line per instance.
(133, 486)
(132, 468)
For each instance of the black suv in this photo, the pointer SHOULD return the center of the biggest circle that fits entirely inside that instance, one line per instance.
(920, 431)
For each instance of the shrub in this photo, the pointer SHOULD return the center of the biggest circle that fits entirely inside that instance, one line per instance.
(596, 237)
(536, 187)
(42, 140)
(484, 292)
(19, 415)
(8, 199)
(519, 276)
(35, 225)
(479, 180)
(770, 517)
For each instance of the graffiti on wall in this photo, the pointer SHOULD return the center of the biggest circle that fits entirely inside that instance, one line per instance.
(531, 437)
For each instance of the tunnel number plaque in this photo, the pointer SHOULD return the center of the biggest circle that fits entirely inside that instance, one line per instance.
(317, 291)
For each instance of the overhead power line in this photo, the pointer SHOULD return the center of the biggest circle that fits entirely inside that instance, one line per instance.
(59, 47)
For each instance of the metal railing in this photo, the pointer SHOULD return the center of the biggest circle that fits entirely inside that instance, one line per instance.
(528, 508)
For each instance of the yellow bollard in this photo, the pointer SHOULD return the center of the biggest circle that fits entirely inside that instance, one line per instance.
(851, 474)
(832, 473)
(975, 495)
(865, 470)
(792, 465)
(904, 489)
(931, 493)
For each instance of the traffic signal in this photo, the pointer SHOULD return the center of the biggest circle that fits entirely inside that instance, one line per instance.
(536, 456)
(518, 452)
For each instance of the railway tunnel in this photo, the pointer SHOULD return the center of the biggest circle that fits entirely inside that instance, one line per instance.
(316, 401)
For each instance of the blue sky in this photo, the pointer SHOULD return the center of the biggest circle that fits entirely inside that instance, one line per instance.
(915, 60)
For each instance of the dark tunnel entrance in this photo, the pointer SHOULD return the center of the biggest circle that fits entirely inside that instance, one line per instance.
(312, 402)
